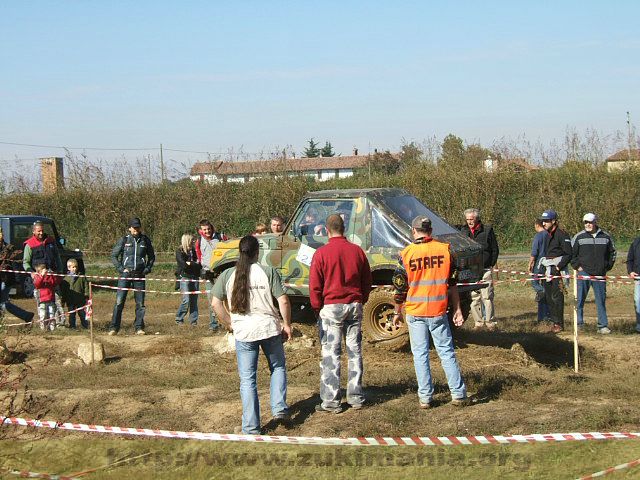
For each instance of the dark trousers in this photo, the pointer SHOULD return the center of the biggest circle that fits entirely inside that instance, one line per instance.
(81, 313)
(554, 297)
(121, 298)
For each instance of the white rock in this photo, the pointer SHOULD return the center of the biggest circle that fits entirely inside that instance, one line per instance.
(84, 352)
(226, 344)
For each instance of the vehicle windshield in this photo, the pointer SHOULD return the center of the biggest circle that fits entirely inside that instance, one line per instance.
(408, 207)
(23, 231)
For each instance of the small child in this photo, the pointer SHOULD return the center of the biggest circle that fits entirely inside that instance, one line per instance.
(46, 284)
(75, 292)
(261, 229)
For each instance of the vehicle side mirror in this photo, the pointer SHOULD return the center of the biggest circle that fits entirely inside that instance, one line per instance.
(61, 241)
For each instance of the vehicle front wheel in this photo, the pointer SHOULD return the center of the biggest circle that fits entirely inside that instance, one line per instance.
(377, 321)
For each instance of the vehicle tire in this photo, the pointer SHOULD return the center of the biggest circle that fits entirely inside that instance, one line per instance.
(377, 321)
(465, 304)
(25, 287)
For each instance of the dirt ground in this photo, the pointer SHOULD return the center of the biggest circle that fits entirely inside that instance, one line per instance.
(521, 377)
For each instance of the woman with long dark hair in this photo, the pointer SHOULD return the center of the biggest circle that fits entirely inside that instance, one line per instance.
(249, 289)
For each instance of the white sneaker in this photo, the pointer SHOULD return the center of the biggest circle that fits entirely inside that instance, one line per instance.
(140, 332)
(604, 331)
(112, 333)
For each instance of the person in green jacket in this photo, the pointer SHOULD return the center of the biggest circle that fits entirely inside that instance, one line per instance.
(75, 293)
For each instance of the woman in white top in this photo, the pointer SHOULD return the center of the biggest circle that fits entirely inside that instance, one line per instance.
(249, 289)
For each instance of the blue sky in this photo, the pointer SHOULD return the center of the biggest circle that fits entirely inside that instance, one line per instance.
(212, 76)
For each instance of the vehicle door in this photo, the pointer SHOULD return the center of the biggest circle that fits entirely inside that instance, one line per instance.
(306, 233)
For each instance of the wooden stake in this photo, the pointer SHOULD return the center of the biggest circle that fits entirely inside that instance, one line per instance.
(576, 359)
(93, 358)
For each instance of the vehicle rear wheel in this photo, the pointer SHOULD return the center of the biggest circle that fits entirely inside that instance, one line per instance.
(25, 286)
(377, 321)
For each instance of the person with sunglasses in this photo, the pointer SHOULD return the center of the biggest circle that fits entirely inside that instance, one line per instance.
(593, 255)
(557, 257)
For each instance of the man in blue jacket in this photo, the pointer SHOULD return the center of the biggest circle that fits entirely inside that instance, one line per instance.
(133, 257)
(633, 269)
(593, 255)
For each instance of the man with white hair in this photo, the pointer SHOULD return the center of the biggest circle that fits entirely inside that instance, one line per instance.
(593, 254)
(482, 300)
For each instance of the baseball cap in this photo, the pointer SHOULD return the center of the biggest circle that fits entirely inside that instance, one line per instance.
(549, 215)
(135, 222)
(590, 217)
(421, 222)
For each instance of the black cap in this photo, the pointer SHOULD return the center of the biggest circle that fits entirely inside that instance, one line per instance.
(421, 222)
(135, 222)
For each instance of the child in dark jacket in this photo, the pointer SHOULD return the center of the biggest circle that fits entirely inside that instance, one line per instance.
(188, 272)
(75, 292)
(46, 284)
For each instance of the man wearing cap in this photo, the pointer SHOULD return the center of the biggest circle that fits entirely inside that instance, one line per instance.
(425, 283)
(633, 269)
(133, 257)
(558, 255)
(339, 285)
(482, 299)
(593, 255)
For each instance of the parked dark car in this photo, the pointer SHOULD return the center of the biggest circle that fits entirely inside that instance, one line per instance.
(17, 229)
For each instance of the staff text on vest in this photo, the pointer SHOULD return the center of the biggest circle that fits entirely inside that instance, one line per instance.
(426, 262)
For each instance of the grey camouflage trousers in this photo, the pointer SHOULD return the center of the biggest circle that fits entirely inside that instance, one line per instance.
(335, 320)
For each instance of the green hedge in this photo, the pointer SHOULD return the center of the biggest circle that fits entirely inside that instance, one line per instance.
(510, 200)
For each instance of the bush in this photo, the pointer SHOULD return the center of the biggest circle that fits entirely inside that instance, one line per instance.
(94, 218)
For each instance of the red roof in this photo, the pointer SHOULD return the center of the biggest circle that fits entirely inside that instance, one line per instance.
(624, 155)
(279, 165)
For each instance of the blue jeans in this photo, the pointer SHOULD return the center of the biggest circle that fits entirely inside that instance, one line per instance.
(599, 292)
(247, 355)
(213, 320)
(121, 298)
(538, 286)
(419, 328)
(636, 301)
(14, 310)
(189, 301)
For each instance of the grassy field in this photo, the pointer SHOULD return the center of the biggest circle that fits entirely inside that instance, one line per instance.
(521, 377)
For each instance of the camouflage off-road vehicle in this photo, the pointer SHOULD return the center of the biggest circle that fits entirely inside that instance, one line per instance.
(376, 219)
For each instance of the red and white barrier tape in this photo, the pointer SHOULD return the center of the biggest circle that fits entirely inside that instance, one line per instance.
(542, 276)
(617, 468)
(47, 476)
(353, 441)
(86, 307)
(103, 277)
(197, 292)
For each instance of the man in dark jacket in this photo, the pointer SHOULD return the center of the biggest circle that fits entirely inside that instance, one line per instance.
(558, 254)
(133, 257)
(594, 255)
(40, 248)
(633, 269)
(482, 299)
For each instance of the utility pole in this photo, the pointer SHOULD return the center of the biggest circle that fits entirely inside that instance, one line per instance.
(161, 165)
(629, 139)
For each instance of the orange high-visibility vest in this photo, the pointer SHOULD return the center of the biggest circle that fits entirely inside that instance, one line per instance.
(428, 267)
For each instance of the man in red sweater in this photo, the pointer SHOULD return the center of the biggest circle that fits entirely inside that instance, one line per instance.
(339, 284)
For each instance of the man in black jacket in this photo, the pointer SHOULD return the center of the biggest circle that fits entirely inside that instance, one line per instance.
(133, 257)
(483, 298)
(633, 269)
(558, 248)
(594, 255)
